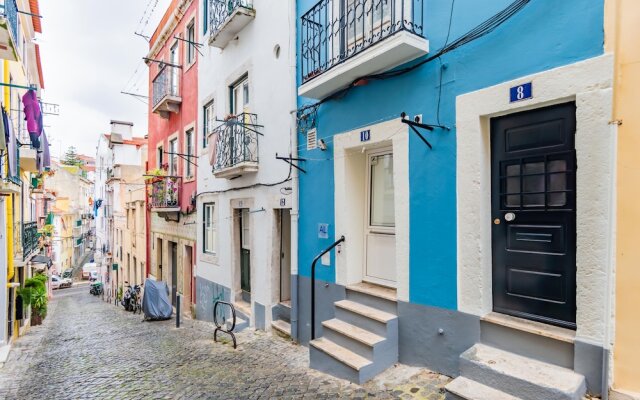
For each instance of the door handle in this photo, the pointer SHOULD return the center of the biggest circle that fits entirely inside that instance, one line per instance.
(509, 216)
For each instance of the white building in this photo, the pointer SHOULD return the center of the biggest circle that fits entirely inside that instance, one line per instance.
(245, 194)
(119, 192)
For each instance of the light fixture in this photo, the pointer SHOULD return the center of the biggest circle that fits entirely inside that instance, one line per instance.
(322, 145)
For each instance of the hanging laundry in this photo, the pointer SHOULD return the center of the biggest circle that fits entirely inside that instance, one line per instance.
(33, 116)
(44, 157)
(12, 146)
(5, 126)
(3, 139)
(213, 145)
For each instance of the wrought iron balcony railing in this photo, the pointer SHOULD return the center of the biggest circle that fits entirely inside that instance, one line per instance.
(236, 142)
(221, 10)
(9, 10)
(166, 84)
(29, 239)
(335, 30)
(165, 192)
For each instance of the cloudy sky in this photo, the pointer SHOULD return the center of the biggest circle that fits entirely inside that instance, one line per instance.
(89, 55)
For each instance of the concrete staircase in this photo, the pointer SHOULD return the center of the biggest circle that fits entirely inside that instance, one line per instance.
(243, 316)
(518, 360)
(362, 340)
(281, 319)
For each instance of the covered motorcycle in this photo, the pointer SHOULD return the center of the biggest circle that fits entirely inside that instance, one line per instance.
(155, 302)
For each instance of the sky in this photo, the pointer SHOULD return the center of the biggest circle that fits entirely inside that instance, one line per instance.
(89, 55)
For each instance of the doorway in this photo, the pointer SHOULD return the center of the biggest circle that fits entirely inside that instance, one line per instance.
(159, 258)
(188, 277)
(245, 254)
(533, 202)
(380, 232)
(173, 249)
(285, 255)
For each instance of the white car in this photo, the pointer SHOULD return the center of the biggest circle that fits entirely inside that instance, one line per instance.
(55, 282)
(66, 282)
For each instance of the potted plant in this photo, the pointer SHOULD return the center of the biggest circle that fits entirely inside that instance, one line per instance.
(34, 294)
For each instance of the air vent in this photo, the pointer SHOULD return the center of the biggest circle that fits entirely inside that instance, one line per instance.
(312, 142)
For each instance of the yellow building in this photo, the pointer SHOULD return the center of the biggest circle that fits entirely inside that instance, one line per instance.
(21, 209)
(623, 33)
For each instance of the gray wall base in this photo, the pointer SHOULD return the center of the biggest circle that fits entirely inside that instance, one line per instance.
(207, 294)
(259, 319)
(590, 361)
(326, 294)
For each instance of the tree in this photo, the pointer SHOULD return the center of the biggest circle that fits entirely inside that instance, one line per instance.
(71, 157)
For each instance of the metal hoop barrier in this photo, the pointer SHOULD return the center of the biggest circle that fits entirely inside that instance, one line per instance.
(219, 326)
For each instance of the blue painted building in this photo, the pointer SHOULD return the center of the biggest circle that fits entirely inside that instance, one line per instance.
(509, 98)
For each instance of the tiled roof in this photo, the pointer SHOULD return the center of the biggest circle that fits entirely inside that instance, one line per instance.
(34, 6)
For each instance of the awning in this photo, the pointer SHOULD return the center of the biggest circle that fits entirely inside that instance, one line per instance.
(40, 259)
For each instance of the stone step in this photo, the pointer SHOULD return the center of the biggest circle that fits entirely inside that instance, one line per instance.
(462, 388)
(282, 328)
(374, 296)
(365, 317)
(520, 376)
(356, 339)
(336, 360)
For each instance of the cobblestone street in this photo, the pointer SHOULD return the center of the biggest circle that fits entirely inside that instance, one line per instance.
(88, 349)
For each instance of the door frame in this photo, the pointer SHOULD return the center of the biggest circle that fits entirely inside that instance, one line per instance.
(367, 216)
(588, 83)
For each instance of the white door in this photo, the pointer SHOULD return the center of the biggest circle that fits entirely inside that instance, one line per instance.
(380, 224)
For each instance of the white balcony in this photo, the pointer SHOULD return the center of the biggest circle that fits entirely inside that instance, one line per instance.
(29, 159)
(227, 18)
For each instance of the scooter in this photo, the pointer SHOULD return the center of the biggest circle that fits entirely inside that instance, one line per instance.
(96, 288)
(130, 297)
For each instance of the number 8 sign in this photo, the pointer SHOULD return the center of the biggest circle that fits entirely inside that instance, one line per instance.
(521, 92)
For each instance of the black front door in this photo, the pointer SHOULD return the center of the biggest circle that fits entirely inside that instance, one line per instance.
(534, 214)
(245, 255)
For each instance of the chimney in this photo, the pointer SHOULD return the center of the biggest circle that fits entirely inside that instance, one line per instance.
(122, 128)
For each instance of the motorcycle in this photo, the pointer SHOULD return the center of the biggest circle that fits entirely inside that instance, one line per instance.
(96, 288)
(130, 297)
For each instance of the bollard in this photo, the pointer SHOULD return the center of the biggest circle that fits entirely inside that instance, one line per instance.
(178, 311)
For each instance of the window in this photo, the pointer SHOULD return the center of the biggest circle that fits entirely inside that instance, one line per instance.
(208, 117)
(173, 158)
(189, 152)
(160, 157)
(191, 47)
(209, 229)
(240, 96)
(175, 78)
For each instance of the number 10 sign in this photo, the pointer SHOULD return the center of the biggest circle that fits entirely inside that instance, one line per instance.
(521, 92)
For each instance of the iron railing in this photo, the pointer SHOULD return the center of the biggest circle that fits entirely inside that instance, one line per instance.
(9, 10)
(237, 141)
(166, 83)
(29, 239)
(221, 10)
(165, 192)
(335, 30)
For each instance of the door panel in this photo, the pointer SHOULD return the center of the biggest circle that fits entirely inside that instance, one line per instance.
(285, 255)
(381, 258)
(534, 214)
(245, 252)
(174, 272)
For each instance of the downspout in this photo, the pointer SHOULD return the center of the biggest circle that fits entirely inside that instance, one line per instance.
(294, 176)
(10, 266)
(147, 224)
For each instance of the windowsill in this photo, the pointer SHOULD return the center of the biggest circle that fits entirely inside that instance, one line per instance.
(210, 258)
(189, 66)
(189, 179)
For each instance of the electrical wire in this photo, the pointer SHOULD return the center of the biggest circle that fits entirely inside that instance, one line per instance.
(446, 41)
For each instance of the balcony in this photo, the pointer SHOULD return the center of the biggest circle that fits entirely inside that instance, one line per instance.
(8, 30)
(29, 159)
(166, 91)
(236, 146)
(343, 41)
(29, 239)
(165, 194)
(9, 180)
(227, 18)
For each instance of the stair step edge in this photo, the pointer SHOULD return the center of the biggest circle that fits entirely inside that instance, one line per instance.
(369, 312)
(354, 332)
(282, 326)
(539, 373)
(472, 390)
(342, 354)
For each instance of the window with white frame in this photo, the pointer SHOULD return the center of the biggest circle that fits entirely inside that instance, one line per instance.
(188, 139)
(208, 122)
(160, 157)
(191, 46)
(173, 158)
(209, 228)
(240, 96)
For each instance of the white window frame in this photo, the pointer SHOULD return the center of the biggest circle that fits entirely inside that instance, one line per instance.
(209, 228)
(173, 158)
(188, 150)
(208, 119)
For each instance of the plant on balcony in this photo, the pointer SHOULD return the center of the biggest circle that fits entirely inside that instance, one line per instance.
(47, 230)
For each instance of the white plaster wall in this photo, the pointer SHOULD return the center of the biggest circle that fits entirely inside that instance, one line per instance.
(349, 170)
(272, 98)
(589, 84)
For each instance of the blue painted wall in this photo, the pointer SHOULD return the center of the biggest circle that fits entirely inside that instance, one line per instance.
(544, 35)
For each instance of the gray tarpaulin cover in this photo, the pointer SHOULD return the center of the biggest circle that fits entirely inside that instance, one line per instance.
(155, 303)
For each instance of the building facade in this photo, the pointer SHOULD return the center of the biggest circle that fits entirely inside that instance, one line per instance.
(120, 193)
(245, 192)
(464, 152)
(22, 207)
(173, 134)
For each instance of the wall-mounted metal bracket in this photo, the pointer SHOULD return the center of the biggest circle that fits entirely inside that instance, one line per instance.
(186, 157)
(417, 124)
(289, 160)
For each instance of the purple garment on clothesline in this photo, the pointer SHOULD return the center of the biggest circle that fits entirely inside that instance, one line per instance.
(32, 113)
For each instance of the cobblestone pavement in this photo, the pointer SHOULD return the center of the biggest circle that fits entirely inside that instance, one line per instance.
(88, 349)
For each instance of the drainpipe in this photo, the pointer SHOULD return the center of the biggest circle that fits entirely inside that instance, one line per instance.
(10, 267)
(294, 179)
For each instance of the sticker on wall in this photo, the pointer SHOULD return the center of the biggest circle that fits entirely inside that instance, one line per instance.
(323, 231)
(521, 92)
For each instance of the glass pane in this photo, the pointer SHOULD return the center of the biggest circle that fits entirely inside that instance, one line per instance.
(533, 183)
(557, 181)
(513, 185)
(245, 228)
(382, 191)
(245, 93)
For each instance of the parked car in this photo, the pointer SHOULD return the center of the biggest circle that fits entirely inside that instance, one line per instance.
(93, 276)
(55, 282)
(67, 273)
(66, 282)
(87, 268)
